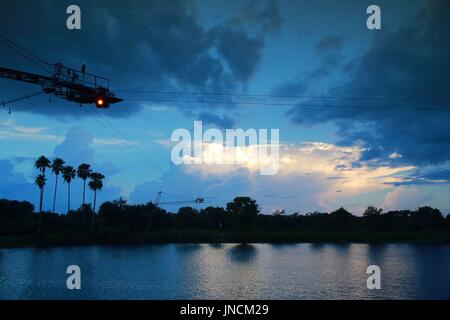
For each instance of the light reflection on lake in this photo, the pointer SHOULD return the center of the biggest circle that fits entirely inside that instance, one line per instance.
(228, 271)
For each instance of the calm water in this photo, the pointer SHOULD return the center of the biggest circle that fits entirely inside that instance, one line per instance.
(262, 271)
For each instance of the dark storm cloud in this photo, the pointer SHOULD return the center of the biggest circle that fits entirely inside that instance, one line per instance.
(153, 45)
(238, 50)
(425, 177)
(410, 62)
(264, 14)
(438, 174)
(412, 182)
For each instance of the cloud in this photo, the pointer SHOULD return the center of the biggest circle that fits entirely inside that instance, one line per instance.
(14, 185)
(402, 198)
(152, 44)
(410, 62)
(76, 147)
(439, 173)
(243, 56)
(264, 14)
(9, 129)
(312, 176)
(426, 176)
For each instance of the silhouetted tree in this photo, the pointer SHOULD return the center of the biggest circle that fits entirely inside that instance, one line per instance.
(279, 212)
(428, 213)
(68, 173)
(111, 214)
(214, 217)
(83, 172)
(95, 183)
(16, 217)
(121, 203)
(245, 209)
(428, 217)
(57, 166)
(372, 211)
(42, 163)
(341, 219)
(40, 182)
(187, 217)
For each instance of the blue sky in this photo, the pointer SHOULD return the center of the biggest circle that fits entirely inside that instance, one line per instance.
(330, 156)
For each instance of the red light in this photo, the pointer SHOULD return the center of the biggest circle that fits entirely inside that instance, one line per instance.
(101, 102)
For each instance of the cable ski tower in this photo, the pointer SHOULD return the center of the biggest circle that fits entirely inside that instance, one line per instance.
(72, 85)
(69, 84)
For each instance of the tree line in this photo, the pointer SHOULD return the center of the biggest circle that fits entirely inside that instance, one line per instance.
(239, 221)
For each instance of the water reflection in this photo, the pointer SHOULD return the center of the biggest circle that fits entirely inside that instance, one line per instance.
(228, 271)
(282, 246)
(317, 246)
(343, 248)
(188, 247)
(242, 253)
(216, 245)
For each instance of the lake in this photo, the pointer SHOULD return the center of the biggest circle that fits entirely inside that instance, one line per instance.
(228, 271)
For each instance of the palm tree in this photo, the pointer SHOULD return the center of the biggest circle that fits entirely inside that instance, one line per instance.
(57, 166)
(40, 182)
(42, 163)
(95, 184)
(68, 174)
(83, 172)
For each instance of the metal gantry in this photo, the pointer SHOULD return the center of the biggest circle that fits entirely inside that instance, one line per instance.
(68, 84)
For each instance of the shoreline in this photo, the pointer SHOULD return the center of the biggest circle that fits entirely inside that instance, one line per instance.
(202, 237)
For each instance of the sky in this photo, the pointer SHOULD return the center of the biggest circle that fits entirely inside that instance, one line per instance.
(362, 114)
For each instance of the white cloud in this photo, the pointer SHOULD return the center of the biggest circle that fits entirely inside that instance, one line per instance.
(312, 176)
(10, 130)
(405, 198)
(322, 160)
(395, 155)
